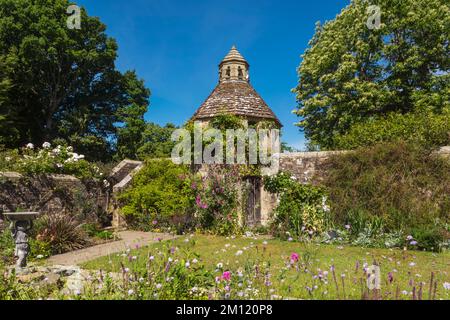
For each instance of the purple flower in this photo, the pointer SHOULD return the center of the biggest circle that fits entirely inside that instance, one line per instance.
(294, 257)
(413, 243)
(347, 226)
(226, 276)
(390, 277)
(154, 222)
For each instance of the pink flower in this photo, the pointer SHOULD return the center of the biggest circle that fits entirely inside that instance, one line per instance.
(226, 276)
(294, 257)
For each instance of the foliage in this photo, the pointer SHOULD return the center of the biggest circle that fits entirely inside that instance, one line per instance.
(393, 187)
(61, 83)
(156, 141)
(60, 160)
(6, 247)
(161, 195)
(94, 230)
(422, 128)
(218, 200)
(351, 74)
(62, 232)
(302, 210)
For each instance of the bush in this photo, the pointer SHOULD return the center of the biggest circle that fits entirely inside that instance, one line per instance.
(423, 128)
(393, 187)
(61, 232)
(218, 200)
(161, 196)
(302, 211)
(60, 160)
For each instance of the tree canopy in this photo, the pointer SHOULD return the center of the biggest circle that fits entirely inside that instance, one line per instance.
(61, 83)
(351, 73)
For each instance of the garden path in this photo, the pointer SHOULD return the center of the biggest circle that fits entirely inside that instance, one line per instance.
(129, 239)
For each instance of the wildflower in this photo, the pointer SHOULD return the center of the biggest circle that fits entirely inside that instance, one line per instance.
(194, 261)
(447, 285)
(347, 226)
(30, 146)
(404, 292)
(126, 270)
(413, 243)
(390, 277)
(409, 238)
(154, 222)
(130, 292)
(294, 257)
(220, 265)
(151, 258)
(240, 252)
(46, 145)
(187, 264)
(265, 243)
(290, 239)
(141, 280)
(133, 258)
(159, 286)
(40, 256)
(226, 276)
(240, 294)
(412, 264)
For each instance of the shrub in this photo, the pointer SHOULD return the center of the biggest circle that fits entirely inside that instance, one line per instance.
(61, 232)
(47, 160)
(161, 194)
(424, 128)
(302, 210)
(218, 200)
(396, 186)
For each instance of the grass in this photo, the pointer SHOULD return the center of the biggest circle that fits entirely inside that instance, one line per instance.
(410, 270)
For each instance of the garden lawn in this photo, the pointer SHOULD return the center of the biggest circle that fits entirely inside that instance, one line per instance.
(403, 273)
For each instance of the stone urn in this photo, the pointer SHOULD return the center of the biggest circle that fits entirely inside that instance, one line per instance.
(21, 224)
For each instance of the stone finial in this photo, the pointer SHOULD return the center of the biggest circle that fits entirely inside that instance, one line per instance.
(234, 67)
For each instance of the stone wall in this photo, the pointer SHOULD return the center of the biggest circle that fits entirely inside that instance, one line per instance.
(50, 194)
(306, 165)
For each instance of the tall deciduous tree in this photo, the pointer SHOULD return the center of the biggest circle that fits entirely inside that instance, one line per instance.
(351, 73)
(64, 83)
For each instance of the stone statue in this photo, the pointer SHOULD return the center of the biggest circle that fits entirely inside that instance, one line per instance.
(19, 231)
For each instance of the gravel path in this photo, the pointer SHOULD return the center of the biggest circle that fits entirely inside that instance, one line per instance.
(129, 239)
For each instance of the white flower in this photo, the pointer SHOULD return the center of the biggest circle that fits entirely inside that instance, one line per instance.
(220, 265)
(40, 256)
(239, 253)
(187, 264)
(194, 261)
(265, 243)
(151, 258)
(30, 146)
(159, 286)
(447, 285)
(8, 158)
(69, 149)
(46, 145)
(412, 264)
(130, 292)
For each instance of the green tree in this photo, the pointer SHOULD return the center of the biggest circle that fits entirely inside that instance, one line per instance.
(64, 84)
(156, 141)
(352, 73)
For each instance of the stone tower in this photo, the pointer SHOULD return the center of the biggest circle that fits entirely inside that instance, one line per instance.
(235, 95)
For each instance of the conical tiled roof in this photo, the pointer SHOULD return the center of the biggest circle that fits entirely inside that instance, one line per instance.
(233, 55)
(235, 95)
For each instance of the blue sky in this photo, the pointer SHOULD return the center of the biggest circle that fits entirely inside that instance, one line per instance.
(176, 45)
